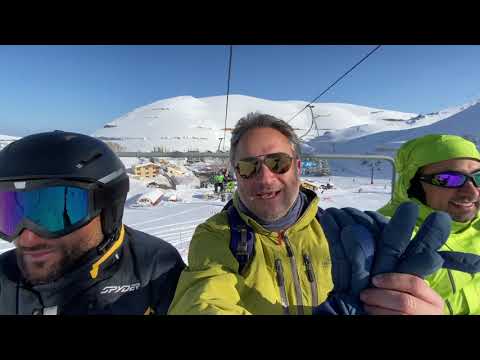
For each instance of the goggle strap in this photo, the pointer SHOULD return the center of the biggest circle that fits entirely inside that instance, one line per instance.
(107, 195)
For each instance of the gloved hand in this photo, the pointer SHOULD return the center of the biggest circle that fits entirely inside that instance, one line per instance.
(433, 229)
(364, 244)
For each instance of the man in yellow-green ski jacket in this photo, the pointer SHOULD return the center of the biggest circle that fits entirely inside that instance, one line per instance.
(442, 172)
(291, 270)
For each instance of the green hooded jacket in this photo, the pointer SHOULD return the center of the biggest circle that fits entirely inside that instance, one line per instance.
(460, 291)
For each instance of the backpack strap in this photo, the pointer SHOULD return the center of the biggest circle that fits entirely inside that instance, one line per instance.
(320, 212)
(242, 237)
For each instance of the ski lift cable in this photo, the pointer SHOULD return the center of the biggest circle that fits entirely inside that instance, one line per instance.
(336, 81)
(228, 92)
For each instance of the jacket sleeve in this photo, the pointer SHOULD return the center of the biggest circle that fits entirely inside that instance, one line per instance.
(210, 284)
(164, 288)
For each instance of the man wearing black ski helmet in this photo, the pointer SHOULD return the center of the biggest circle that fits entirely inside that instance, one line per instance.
(62, 196)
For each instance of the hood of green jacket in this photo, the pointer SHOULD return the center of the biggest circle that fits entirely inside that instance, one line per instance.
(420, 152)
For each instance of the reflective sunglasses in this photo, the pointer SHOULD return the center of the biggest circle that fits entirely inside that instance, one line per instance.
(49, 208)
(451, 179)
(278, 163)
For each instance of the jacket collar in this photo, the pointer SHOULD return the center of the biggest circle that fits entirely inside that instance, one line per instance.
(303, 221)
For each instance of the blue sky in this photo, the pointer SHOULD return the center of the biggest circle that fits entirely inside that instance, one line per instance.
(80, 88)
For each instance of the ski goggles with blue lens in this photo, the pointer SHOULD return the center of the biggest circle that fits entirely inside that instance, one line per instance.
(451, 179)
(50, 208)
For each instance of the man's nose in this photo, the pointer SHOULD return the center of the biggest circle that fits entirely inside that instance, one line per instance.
(469, 187)
(28, 238)
(265, 174)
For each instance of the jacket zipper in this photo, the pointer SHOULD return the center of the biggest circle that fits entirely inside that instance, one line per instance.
(296, 278)
(311, 279)
(449, 306)
(450, 276)
(281, 285)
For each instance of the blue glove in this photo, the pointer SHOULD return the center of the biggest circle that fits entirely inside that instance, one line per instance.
(351, 260)
(364, 244)
(416, 257)
(420, 256)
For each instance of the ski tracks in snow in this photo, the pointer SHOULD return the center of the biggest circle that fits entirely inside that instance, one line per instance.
(178, 233)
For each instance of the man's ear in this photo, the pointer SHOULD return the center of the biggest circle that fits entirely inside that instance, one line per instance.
(416, 190)
(299, 166)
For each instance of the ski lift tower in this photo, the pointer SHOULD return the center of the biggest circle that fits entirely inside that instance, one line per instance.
(314, 121)
(313, 118)
(223, 139)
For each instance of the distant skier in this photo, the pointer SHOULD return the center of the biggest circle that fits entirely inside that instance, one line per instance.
(230, 188)
(219, 178)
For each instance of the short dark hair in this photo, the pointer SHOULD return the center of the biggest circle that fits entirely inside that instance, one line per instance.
(259, 120)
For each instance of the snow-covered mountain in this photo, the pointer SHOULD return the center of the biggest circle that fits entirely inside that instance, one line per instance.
(187, 123)
(462, 120)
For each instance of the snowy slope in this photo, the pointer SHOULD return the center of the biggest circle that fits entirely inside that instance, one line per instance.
(7, 138)
(463, 121)
(187, 123)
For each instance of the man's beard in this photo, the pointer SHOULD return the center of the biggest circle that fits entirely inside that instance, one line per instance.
(265, 213)
(463, 218)
(48, 272)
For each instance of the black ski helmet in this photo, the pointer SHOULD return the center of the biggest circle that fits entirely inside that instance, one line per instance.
(71, 156)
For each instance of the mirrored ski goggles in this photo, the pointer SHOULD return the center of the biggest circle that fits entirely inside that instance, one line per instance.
(278, 163)
(47, 208)
(451, 179)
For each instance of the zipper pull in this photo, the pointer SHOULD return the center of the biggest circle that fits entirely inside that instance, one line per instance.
(308, 265)
(287, 245)
(281, 286)
(279, 271)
